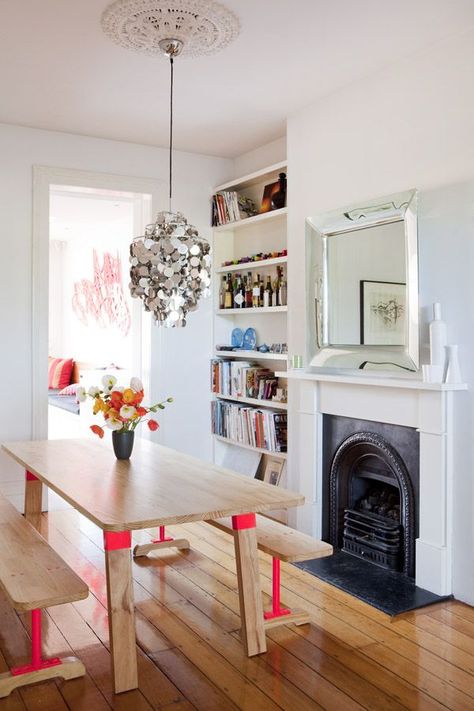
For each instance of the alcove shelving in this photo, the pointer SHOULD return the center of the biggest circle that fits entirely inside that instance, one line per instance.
(232, 242)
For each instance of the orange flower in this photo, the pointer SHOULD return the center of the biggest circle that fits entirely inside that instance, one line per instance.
(116, 399)
(153, 425)
(97, 430)
(128, 396)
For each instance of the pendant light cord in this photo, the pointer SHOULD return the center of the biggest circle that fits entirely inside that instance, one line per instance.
(171, 129)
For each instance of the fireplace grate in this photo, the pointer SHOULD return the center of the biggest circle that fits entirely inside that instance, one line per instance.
(373, 538)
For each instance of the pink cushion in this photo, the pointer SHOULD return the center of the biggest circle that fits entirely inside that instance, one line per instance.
(59, 372)
(69, 390)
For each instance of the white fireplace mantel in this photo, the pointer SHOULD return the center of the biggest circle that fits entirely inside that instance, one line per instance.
(427, 407)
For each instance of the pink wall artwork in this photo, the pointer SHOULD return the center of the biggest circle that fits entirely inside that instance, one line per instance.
(103, 299)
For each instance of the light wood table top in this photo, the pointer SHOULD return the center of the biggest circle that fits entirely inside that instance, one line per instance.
(157, 486)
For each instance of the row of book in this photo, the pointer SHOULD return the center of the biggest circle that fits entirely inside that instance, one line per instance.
(246, 425)
(225, 208)
(242, 379)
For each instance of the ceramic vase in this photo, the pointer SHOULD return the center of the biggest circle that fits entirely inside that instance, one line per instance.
(123, 444)
(452, 373)
(438, 337)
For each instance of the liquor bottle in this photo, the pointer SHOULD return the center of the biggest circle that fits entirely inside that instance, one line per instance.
(276, 289)
(262, 289)
(256, 292)
(283, 291)
(222, 291)
(228, 293)
(239, 299)
(248, 291)
(268, 293)
(242, 291)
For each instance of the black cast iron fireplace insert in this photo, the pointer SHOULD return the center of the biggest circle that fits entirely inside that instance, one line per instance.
(371, 496)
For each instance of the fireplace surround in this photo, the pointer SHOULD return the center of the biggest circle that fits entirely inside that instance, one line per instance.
(426, 408)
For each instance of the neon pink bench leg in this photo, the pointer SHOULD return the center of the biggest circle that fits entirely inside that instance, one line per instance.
(277, 610)
(37, 662)
(163, 537)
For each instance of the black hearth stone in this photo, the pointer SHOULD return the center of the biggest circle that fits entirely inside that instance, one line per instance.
(388, 591)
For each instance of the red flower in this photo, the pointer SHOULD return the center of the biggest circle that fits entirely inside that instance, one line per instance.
(153, 425)
(116, 399)
(139, 397)
(141, 411)
(97, 430)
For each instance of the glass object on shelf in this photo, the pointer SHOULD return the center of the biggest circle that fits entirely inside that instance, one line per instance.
(268, 293)
(279, 197)
(228, 293)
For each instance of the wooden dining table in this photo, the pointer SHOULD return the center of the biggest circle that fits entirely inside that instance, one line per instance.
(156, 487)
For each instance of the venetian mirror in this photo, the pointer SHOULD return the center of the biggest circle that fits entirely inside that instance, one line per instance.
(362, 281)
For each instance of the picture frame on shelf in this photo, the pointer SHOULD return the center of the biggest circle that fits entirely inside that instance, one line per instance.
(382, 313)
(273, 471)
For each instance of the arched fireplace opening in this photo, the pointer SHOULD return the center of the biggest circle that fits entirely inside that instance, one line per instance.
(372, 503)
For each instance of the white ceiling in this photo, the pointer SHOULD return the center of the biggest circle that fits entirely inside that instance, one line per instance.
(59, 71)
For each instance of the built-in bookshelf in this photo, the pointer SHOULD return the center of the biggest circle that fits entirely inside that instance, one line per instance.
(257, 245)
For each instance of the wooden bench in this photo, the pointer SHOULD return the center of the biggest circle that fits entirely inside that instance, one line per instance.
(283, 544)
(33, 576)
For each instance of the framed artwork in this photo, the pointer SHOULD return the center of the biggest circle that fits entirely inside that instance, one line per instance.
(273, 471)
(382, 313)
(268, 193)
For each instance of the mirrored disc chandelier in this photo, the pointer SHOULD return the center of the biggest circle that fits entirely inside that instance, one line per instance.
(170, 265)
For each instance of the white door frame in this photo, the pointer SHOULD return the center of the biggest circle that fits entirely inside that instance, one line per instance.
(43, 178)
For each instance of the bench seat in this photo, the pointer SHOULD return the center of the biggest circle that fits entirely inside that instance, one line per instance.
(280, 541)
(33, 576)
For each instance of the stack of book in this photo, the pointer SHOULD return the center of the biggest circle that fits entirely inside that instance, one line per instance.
(242, 379)
(250, 426)
(225, 208)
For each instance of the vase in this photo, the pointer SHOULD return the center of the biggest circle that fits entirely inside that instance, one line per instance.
(279, 197)
(123, 444)
(452, 373)
(438, 338)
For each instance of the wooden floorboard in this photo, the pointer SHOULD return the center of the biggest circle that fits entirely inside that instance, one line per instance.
(190, 656)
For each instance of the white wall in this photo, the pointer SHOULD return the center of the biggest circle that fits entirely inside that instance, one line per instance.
(261, 157)
(409, 126)
(195, 175)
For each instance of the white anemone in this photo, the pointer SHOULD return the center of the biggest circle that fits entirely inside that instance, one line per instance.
(114, 424)
(127, 412)
(136, 384)
(81, 394)
(94, 390)
(108, 381)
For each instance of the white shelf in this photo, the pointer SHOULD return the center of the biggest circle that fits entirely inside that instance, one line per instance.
(252, 178)
(255, 310)
(253, 401)
(372, 380)
(247, 266)
(251, 355)
(249, 221)
(280, 455)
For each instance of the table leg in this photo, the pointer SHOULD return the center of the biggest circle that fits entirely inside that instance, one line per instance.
(118, 565)
(248, 575)
(33, 499)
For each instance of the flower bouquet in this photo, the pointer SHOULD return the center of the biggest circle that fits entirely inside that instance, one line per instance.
(122, 411)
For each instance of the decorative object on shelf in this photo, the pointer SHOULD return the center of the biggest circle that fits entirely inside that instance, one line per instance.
(297, 361)
(432, 373)
(122, 411)
(281, 395)
(438, 337)
(382, 313)
(452, 371)
(239, 291)
(274, 190)
(263, 348)
(273, 471)
(250, 339)
(170, 263)
(256, 258)
(278, 348)
(247, 206)
(237, 338)
(279, 198)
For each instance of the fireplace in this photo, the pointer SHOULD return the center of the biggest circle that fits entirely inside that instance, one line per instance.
(370, 491)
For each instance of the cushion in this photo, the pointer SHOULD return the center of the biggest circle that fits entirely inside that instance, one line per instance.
(70, 390)
(59, 373)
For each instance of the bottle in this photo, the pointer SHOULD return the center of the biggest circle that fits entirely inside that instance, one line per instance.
(438, 337)
(276, 289)
(283, 292)
(279, 198)
(222, 291)
(262, 289)
(268, 293)
(248, 291)
(228, 293)
(256, 292)
(242, 291)
(239, 299)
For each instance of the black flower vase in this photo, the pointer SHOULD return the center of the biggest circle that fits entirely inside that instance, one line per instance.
(123, 443)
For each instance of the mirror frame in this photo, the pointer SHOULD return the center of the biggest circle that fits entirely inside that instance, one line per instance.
(400, 207)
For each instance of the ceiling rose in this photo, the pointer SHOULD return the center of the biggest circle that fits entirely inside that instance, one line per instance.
(202, 26)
